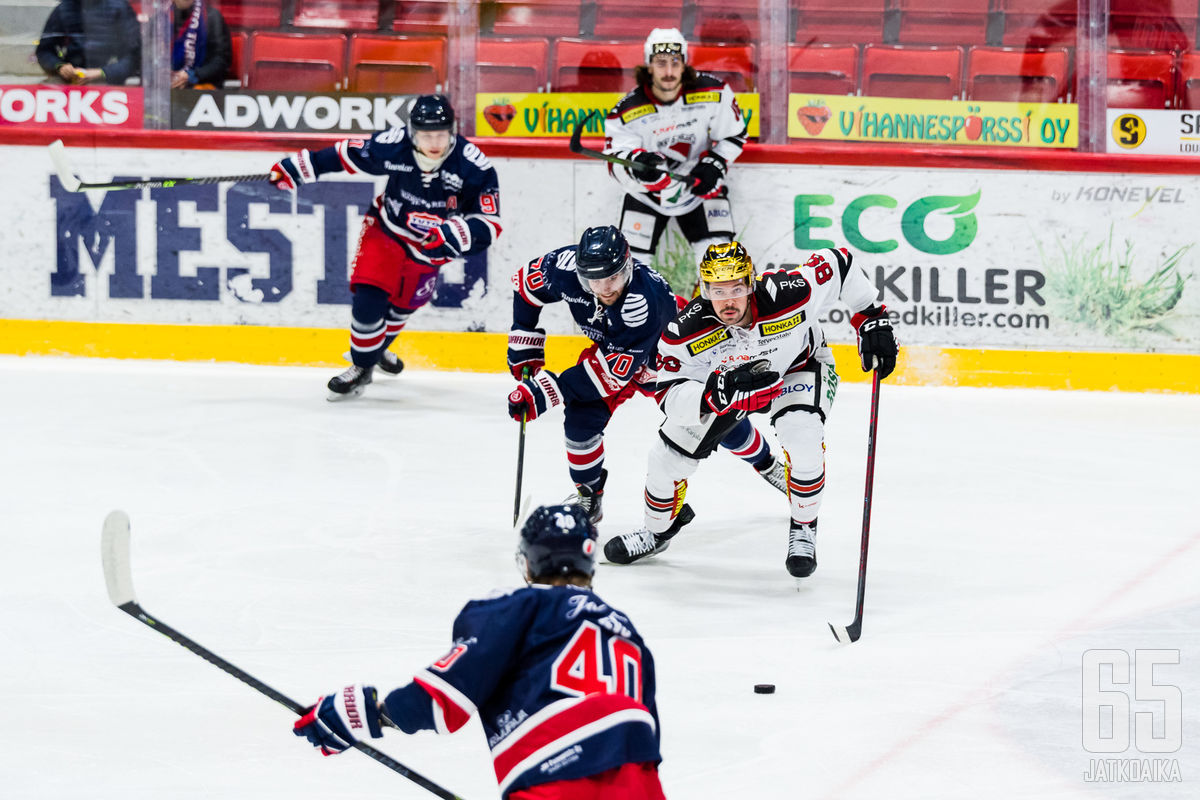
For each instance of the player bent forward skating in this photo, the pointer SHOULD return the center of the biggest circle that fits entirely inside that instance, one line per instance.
(749, 346)
(550, 669)
(622, 306)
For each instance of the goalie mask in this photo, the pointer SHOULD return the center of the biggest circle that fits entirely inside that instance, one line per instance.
(665, 40)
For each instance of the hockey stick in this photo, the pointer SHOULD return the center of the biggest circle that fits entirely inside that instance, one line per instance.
(118, 576)
(851, 632)
(577, 147)
(72, 183)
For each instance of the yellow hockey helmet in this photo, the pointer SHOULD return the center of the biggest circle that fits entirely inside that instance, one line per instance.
(727, 261)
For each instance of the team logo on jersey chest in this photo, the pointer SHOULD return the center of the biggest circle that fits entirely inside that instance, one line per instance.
(423, 223)
(636, 113)
(701, 97)
(779, 326)
(700, 345)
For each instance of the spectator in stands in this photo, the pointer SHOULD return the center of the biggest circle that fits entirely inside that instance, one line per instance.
(200, 51)
(91, 41)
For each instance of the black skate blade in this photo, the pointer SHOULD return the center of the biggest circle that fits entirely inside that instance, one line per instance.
(335, 397)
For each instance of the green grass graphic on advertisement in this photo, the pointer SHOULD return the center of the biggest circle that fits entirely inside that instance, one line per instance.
(1097, 288)
(676, 262)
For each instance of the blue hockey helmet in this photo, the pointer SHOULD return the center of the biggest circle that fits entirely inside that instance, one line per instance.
(431, 112)
(602, 252)
(557, 540)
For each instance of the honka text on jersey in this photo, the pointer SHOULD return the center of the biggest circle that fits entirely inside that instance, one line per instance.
(780, 326)
(706, 342)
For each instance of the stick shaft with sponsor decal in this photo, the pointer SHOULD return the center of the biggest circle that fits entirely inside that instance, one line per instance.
(118, 577)
(577, 147)
(72, 183)
(851, 632)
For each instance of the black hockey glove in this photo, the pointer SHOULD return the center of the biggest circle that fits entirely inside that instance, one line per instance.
(749, 387)
(648, 167)
(708, 174)
(876, 341)
(526, 351)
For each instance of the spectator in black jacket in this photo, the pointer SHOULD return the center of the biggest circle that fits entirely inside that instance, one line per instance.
(91, 41)
(201, 51)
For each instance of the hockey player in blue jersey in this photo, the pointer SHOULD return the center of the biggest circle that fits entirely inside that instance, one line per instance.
(622, 305)
(562, 682)
(441, 202)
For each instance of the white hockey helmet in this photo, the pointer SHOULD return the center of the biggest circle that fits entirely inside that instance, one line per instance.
(665, 40)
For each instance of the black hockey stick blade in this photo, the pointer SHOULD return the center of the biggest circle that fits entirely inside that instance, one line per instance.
(71, 182)
(576, 146)
(118, 577)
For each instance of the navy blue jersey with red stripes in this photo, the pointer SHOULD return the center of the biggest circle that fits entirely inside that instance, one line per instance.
(414, 202)
(562, 682)
(626, 333)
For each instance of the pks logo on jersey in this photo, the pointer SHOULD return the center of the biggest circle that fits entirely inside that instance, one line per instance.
(422, 222)
(779, 326)
(716, 337)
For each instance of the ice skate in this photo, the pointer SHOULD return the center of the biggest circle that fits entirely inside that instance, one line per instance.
(631, 547)
(802, 549)
(775, 473)
(591, 498)
(350, 383)
(390, 363)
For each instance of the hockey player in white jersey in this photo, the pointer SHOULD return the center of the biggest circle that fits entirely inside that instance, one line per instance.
(684, 121)
(750, 346)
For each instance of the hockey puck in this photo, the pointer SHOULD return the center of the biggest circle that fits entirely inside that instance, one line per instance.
(764, 688)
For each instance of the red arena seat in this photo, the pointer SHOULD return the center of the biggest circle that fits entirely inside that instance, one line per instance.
(735, 64)
(531, 17)
(620, 19)
(823, 69)
(926, 73)
(293, 62)
(511, 65)
(1140, 79)
(581, 66)
(422, 16)
(1038, 23)
(837, 21)
(942, 22)
(1017, 75)
(397, 64)
(359, 15)
(1152, 24)
(252, 13)
(730, 21)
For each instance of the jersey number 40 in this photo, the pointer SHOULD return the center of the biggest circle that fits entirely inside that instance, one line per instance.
(579, 668)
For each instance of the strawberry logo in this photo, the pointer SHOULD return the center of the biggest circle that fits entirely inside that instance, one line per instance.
(973, 125)
(814, 116)
(499, 116)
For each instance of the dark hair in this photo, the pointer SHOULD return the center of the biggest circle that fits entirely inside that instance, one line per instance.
(641, 73)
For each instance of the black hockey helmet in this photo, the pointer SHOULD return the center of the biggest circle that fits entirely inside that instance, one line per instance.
(431, 112)
(557, 540)
(602, 253)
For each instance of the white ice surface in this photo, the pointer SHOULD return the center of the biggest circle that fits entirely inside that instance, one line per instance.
(317, 544)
